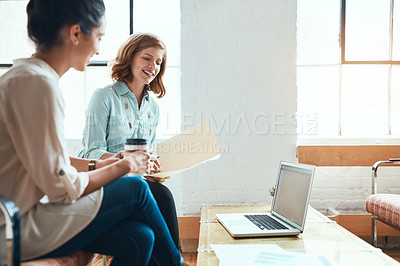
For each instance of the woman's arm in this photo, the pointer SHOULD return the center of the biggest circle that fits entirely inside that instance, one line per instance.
(36, 133)
(107, 155)
(137, 162)
(82, 165)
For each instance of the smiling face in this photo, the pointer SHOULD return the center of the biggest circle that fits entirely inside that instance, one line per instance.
(146, 65)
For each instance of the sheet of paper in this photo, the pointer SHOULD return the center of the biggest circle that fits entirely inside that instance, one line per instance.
(241, 254)
(263, 254)
(191, 148)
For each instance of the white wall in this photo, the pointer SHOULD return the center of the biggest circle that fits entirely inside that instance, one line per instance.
(346, 188)
(238, 62)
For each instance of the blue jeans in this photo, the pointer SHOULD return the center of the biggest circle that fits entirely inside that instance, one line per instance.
(128, 226)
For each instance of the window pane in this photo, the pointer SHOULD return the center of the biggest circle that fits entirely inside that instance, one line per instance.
(77, 88)
(318, 98)
(117, 29)
(396, 30)
(164, 22)
(364, 100)
(72, 87)
(317, 42)
(95, 77)
(14, 42)
(367, 29)
(395, 99)
(3, 70)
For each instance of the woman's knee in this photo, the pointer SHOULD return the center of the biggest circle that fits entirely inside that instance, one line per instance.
(131, 184)
(132, 241)
(161, 193)
(136, 181)
(127, 190)
(146, 239)
(140, 239)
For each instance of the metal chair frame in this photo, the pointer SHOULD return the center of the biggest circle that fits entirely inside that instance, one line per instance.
(374, 191)
(11, 215)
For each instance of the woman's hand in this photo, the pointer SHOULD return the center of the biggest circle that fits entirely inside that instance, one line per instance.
(135, 162)
(155, 169)
(158, 180)
(156, 165)
(119, 155)
(155, 179)
(138, 161)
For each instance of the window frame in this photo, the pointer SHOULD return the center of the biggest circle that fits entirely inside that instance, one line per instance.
(342, 41)
(164, 129)
(338, 137)
(94, 63)
(343, 61)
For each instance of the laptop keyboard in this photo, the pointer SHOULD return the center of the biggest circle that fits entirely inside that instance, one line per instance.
(265, 222)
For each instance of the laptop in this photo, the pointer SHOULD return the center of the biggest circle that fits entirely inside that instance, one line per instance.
(289, 207)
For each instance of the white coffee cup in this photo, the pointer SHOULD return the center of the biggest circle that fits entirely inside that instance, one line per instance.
(132, 145)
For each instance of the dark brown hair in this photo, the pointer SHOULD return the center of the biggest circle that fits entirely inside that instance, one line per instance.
(46, 18)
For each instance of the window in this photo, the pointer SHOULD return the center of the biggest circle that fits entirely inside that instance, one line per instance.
(13, 25)
(349, 85)
(163, 19)
(77, 87)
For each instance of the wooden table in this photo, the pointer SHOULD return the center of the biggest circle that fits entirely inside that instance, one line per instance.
(321, 237)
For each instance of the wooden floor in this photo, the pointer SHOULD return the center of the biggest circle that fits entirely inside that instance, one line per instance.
(394, 253)
(190, 258)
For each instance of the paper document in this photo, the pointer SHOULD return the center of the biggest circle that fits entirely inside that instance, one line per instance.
(263, 254)
(189, 149)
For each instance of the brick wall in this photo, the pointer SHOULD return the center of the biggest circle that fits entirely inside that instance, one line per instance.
(238, 61)
(346, 188)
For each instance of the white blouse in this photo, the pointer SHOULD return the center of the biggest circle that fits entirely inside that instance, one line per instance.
(34, 160)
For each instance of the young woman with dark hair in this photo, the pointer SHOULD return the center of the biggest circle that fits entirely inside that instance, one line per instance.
(95, 211)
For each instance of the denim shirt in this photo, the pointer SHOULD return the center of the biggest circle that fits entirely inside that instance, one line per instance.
(113, 115)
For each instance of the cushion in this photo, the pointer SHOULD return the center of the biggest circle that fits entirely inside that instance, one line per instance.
(385, 206)
(79, 258)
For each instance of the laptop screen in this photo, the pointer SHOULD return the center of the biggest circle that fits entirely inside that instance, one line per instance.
(291, 195)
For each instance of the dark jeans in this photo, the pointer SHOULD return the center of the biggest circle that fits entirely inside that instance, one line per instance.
(128, 225)
(166, 204)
